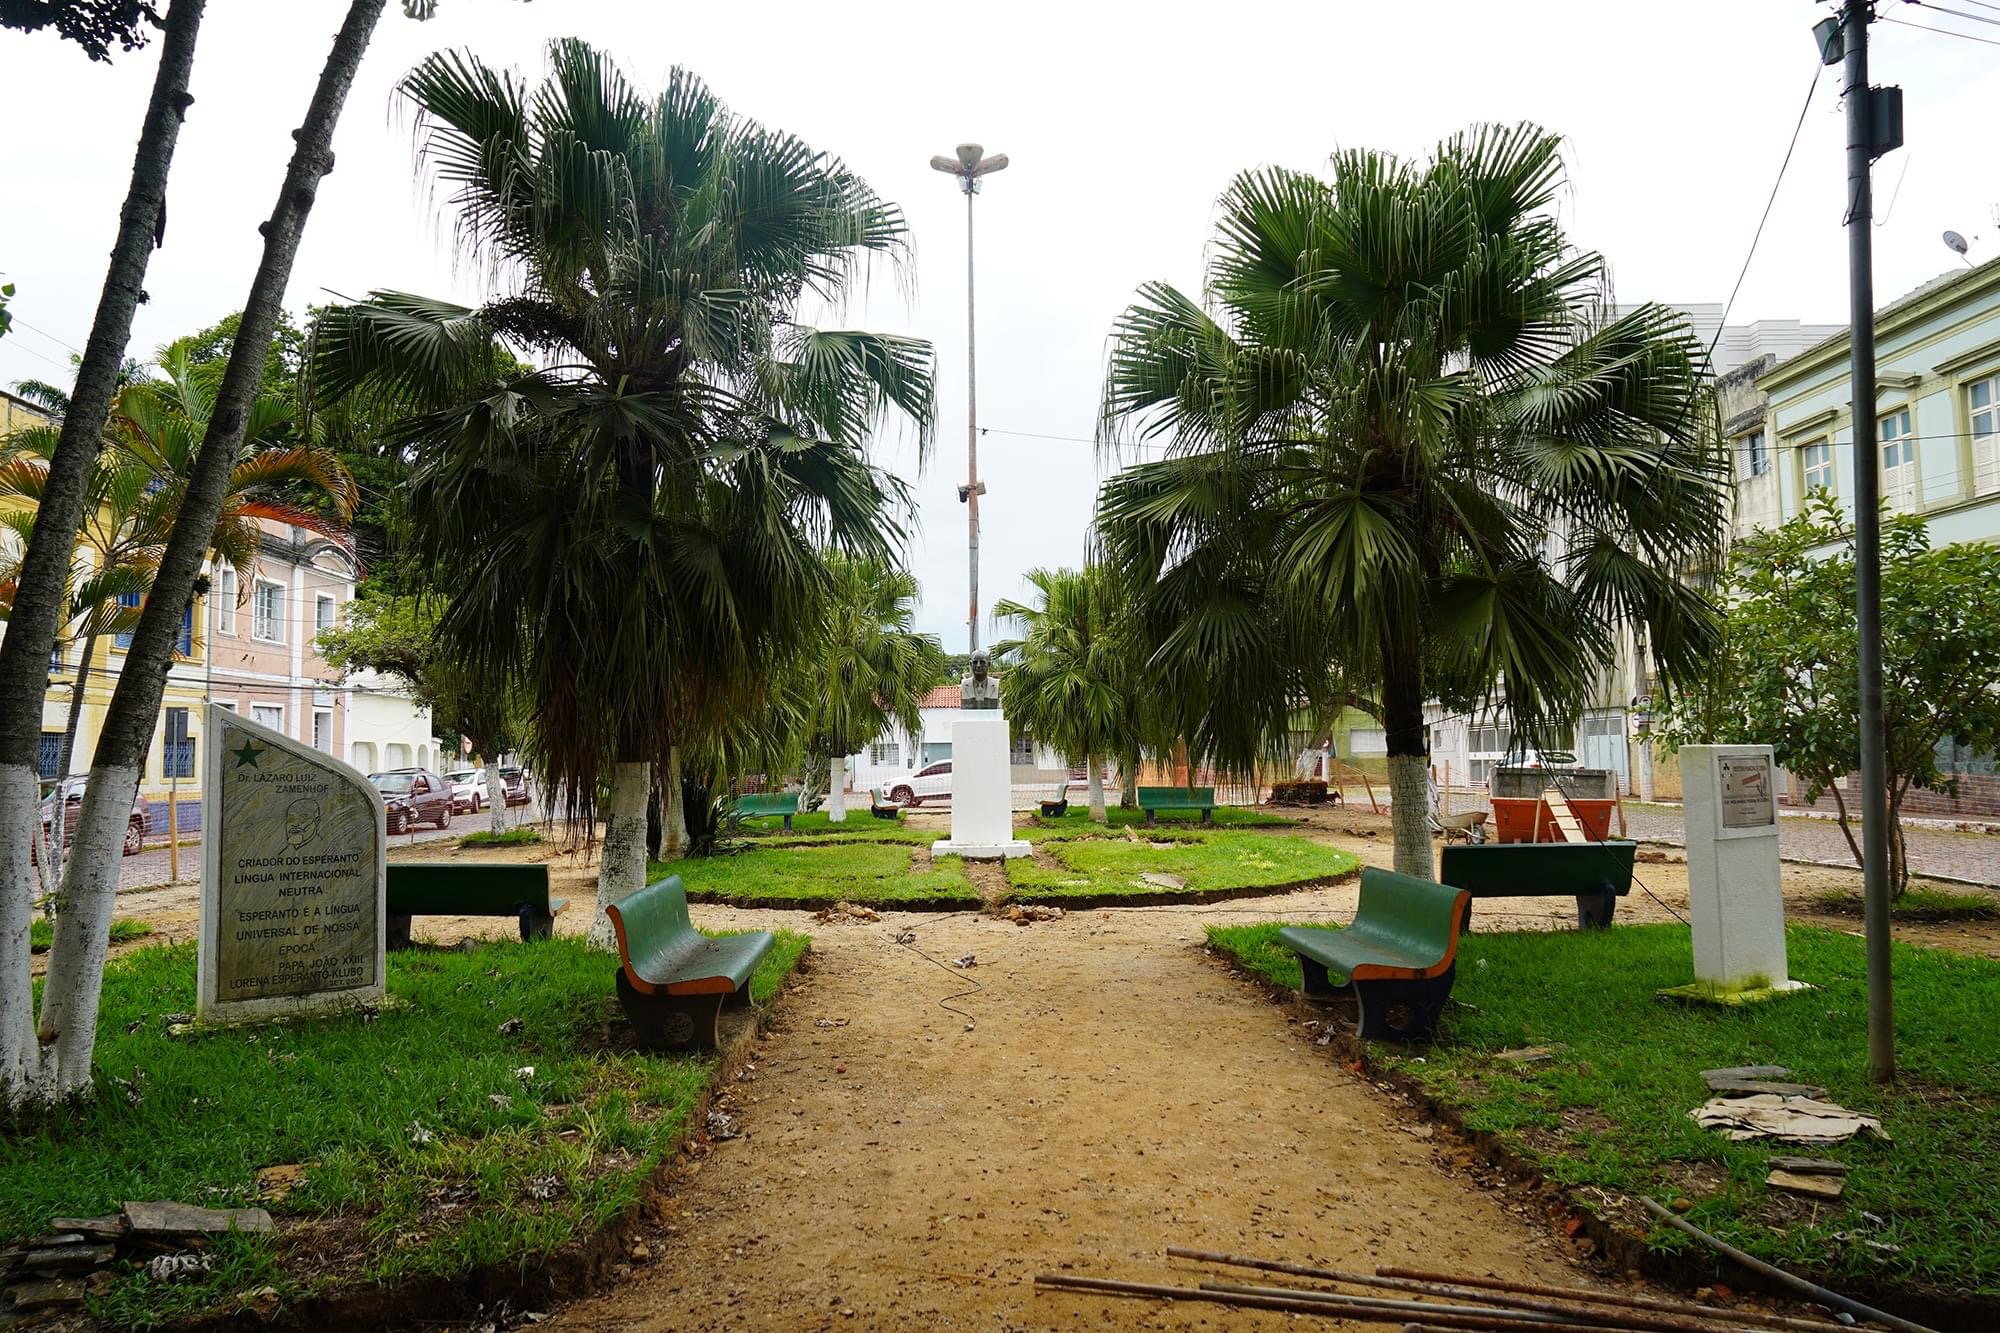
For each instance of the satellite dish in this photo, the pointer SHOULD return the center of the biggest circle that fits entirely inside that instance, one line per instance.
(1953, 241)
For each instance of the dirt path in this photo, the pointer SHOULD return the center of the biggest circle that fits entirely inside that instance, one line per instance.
(1116, 1093)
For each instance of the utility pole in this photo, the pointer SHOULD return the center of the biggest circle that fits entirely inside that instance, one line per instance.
(969, 164)
(1874, 127)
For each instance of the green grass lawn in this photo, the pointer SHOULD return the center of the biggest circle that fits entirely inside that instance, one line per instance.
(1077, 821)
(1920, 904)
(434, 1141)
(42, 932)
(878, 874)
(1210, 863)
(859, 826)
(1610, 1109)
(520, 835)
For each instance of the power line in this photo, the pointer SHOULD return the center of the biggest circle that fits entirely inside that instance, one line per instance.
(1942, 32)
(50, 336)
(1955, 13)
(1758, 235)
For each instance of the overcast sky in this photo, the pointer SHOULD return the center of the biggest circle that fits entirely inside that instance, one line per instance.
(1124, 122)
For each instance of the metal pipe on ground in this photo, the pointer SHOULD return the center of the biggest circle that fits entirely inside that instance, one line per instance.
(1665, 1316)
(1659, 1303)
(1406, 1309)
(1822, 1295)
(1361, 1314)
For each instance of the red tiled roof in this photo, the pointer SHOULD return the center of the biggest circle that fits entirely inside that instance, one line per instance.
(941, 696)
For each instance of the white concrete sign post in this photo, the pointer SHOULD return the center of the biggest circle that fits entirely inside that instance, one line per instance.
(1730, 802)
(294, 847)
(982, 789)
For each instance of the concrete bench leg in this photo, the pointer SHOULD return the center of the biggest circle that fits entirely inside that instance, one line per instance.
(1208, 816)
(738, 999)
(1316, 984)
(672, 1022)
(788, 823)
(399, 933)
(1402, 1010)
(535, 923)
(1594, 910)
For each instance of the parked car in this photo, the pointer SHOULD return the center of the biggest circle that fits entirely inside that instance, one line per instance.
(932, 782)
(514, 786)
(414, 796)
(69, 792)
(468, 790)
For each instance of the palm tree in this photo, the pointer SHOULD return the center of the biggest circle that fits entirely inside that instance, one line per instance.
(1410, 448)
(639, 523)
(868, 668)
(136, 490)
(1074, 679)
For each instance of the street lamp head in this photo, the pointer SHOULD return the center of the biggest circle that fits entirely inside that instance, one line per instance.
(943, 163)
(989, 165)
(968, 155)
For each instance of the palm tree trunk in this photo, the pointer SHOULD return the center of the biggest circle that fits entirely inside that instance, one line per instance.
(1128, 782)
(621, 871)
(1096, 769)
(26, 1065)
(673, 808)
(76, 964)
(1409, 760)
(76, 705)
(496, 795)
(836, 787)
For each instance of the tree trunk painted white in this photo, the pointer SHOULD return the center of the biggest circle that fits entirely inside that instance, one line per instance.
(40, 598)
(621, 870)
(1409, 814)
(83, 926)
(836, 789)
(673, 809)
(23, 1072)
(496, 799)
(1097, 812)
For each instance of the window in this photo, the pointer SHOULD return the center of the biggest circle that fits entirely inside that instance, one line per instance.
(1022, 750)
(226, 705)
(1756, 456)
(1486, 745)
(268, 715)
(48, 754)
(267, 612)
(128, 601)
(1899, 460)
(184, 645)
(936, 750)
(885, 752)
(323, 731)
(1982, 403)
(1367, 740)
(1817, 460)
(225, 601)
(323, 613)
(177, 760)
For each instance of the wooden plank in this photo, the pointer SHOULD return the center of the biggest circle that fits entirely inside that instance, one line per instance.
(1809, 1166)
(1565, 818)
(1819, 1187)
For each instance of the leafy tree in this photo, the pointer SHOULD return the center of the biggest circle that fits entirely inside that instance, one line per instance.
(1075, 679)
(866, 669)
(396, 634)
(6, 318)
(94, 25)
(1785, 675)
(639, 525)
(1407, 449)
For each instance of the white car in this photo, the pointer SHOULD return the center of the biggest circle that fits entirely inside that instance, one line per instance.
(932, 782)
(468, 790)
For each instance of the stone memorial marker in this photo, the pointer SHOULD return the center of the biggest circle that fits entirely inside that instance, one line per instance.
(982, 788)
(293, 867)
(1730, 798)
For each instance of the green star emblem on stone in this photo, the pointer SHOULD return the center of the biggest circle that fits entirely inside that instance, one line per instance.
(247, 755)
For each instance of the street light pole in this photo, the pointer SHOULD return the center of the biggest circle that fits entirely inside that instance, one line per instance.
(1874, 127)
(969, 164)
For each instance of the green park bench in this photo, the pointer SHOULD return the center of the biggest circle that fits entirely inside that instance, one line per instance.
(672, 979)
(1152, 799)
(1596, 874)
(767, 803)
(1399, 957)
(470, 889)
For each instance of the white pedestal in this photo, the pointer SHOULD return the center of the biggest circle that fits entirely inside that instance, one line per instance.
(982, 790)
(1729, 795)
